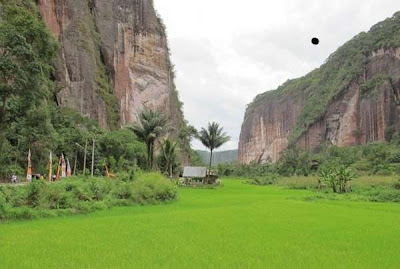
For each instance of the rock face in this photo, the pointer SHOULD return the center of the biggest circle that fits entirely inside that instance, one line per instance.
(113, 59)
(356, 116)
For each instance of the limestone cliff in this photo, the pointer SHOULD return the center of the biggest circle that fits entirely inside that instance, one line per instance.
(354, 98)
(113, 59)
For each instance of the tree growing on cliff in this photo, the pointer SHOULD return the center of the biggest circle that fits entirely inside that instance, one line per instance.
(213, 137)
(150, 127)
(26, 49)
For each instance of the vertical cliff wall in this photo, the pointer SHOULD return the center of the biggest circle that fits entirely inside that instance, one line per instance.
(352, 99)
(113, 59)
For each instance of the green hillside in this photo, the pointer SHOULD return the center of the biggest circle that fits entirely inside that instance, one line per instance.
(219, 156)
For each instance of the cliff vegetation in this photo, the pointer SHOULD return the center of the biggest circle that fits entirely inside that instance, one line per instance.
(344, 67)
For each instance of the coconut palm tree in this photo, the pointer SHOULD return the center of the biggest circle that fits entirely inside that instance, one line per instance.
(150, 127)
(213, 137)
(169, 154)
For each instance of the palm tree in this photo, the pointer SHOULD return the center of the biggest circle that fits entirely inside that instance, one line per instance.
(169, 154)
(213, 138)
(150, 127)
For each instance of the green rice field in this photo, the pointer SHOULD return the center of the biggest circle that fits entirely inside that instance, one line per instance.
(235, 226)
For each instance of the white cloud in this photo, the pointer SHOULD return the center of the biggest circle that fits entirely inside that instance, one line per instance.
(228, 51)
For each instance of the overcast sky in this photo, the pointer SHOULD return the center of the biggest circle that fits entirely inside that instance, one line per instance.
(228, 51)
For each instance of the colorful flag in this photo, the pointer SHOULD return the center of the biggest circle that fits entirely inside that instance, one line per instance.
(29, 170)
(69, 172)
(63, 166)
(50, 167)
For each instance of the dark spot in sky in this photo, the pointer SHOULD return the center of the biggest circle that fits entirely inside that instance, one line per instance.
(315, 41)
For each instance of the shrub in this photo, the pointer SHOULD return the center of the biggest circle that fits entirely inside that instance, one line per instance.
(33, 193)
(385, 196)
(397, 185)
(153, 190)
(55, 197)
(269, 179)
(82, 195)
(122, 191)
(100, 188)
(384, 172)
(2, 204)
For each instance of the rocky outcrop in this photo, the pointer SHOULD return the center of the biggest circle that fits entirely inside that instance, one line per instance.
(357, 116)
(113, 59)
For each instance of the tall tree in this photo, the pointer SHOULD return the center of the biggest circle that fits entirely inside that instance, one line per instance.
(150, 127)
(169, 154)
(213, 137)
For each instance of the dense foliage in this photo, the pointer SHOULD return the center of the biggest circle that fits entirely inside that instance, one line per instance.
(26, 48)
(344, 67)
(382, 158)
(82, 195)
(151, 126)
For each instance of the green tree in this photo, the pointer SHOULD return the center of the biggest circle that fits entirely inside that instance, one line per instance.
(27, 48)
(169, 155)
(123, 150)
(327, 175)
(344, 175)
(26, 52)
(213, 137)
(150, 127)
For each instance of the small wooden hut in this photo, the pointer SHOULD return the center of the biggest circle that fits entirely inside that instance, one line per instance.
(199, 175)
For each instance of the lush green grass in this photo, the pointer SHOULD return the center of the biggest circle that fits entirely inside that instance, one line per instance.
(236, 226)
(311, 182)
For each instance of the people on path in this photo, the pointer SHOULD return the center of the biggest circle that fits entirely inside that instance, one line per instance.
(14, 179)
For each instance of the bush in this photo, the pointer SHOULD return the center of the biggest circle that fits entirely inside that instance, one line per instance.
(55, 197)
(82, 195)
(122, 191)
(2, 204)
(266, 180)
(33, 193)
(384, 172)
(384, 196)
(397, 185)
(153, 190)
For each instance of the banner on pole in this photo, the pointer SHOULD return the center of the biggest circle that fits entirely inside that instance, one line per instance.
(29, 170)
(69, 172)
(63, 167)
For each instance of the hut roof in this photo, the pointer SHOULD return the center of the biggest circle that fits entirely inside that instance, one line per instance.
(194, 172)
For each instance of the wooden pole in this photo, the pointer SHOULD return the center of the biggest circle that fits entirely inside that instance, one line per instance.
(92, 159)
(84, 158)
(76, 157)
(58, 170)
(50, 167)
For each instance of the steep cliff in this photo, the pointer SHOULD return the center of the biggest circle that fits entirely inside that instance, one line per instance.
(113, 59)
(354, 98)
